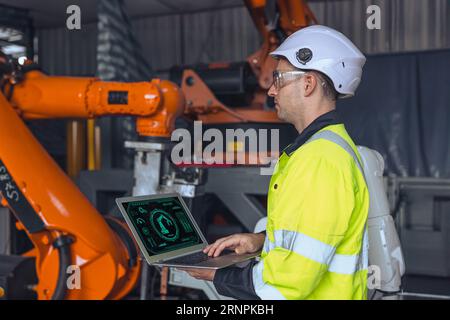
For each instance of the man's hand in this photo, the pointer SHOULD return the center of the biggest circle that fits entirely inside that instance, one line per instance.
(200, 274)
(241, 243)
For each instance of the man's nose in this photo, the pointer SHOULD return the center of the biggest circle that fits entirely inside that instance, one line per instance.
(272, 91)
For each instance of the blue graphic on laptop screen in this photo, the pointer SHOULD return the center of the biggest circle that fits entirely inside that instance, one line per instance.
(162, 224)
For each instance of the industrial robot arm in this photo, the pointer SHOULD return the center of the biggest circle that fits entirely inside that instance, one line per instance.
(275, 20)
(68, 233)
(156, 104)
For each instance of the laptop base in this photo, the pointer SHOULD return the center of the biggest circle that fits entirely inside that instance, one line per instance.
(213, 263)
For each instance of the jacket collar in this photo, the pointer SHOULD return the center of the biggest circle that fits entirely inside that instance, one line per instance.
(329, 118)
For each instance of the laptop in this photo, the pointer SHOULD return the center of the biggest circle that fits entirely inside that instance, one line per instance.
(168, 235)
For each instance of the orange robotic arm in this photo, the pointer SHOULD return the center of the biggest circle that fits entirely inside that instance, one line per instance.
(289, 16)
(274, 24)
(68, 233)
(65, 228)
(156, 104)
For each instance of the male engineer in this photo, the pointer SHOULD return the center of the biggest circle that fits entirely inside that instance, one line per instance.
(315, 244)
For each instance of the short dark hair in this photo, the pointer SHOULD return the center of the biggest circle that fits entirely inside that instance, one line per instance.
(327, 86)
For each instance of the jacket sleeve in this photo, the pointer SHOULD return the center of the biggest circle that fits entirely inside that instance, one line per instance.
(236, 282)
(314, 206)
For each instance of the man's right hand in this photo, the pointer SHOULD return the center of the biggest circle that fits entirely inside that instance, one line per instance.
(241, 243)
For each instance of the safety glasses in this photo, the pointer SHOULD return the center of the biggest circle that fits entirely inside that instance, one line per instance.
(282, 78)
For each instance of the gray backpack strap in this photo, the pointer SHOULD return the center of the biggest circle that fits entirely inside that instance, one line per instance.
(334, 137)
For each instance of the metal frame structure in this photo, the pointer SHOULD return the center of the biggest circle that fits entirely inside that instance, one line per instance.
(422, 210)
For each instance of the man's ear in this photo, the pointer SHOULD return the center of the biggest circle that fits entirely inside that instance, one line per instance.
(310, 83)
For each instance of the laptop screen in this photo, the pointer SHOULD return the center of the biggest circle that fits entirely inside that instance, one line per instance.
(162, 224)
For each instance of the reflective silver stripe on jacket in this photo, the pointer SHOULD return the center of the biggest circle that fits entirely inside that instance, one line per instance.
(318, 251)
(349, 264)
(263, 290)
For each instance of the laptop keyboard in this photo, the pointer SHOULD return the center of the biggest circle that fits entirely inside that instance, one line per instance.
(191, 258)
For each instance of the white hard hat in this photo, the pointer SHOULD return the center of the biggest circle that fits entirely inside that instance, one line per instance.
(326, 50)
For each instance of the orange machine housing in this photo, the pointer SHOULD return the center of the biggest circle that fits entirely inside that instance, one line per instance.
(201, 102)
(156, 104)
(32, 180)
(33, 183)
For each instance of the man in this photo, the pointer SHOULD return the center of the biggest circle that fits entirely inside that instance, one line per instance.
(315, 241)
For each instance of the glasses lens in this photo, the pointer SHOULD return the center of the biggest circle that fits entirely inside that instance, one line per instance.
(277, 79)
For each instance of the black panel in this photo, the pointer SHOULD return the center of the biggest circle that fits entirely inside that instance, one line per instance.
(402, 110)
(118, 97)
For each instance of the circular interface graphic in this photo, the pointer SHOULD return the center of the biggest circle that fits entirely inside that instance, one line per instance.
(164, 225)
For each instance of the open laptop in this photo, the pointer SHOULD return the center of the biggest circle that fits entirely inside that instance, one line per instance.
(168, 235)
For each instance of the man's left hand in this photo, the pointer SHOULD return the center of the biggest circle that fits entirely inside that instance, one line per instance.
(200, 274)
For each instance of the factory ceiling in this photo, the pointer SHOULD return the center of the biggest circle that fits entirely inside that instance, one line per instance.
(51, 13)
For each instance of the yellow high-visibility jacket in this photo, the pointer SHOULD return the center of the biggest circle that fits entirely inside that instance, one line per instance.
(316, 244)
(316, 239)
